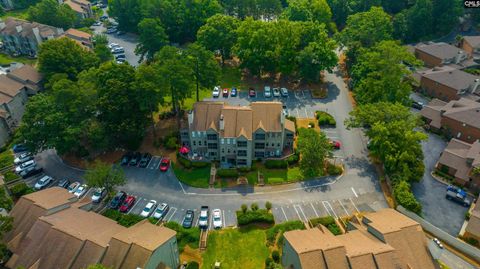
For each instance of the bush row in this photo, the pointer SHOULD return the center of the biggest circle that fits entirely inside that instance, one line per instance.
(334, 170)
(328, 222)
(257, 216)
(125, 220)
(276, 164)
(20, 189)
(279, 229)
(293, 159)
(404, 196)
(227, 173)
(185, 236)
(189, 164)
(325, 119)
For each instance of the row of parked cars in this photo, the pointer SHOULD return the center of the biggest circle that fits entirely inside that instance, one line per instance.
(25, 165)
(142, 160)
(118, 52)
(267, 92)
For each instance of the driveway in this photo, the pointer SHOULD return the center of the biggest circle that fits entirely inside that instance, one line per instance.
(356, 190)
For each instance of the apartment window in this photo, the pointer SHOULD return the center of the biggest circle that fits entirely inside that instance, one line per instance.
(194, 142)
(290, 136)
(193, 134)
(260, 136)
(459, 134)
(241, 162)
(233, 141)
(242, 144)
(213, 153)
(204, 142)
(228, 141)
(278, 145)
(212, 136)
(212, 146)
(259, 145)
(222, 141)
(259, 154)
(242, 153)
(228, 150)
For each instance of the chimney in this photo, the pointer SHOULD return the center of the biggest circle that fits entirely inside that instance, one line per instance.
(475, 85)
(190, 117)
(19, 28)
(221, 123)
(459, 57)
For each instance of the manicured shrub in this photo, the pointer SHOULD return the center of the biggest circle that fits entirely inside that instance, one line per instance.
(293, 159)
(184, 162)
(334, 169)
(171, 143)
(10, 176)
(125, 220)
(192, 265)
(268, 205)
(276, 256)
(325, 119)
(404, 197)
(199, 164)
(254, 206)
(273, 232)
(227, 173)
(244, 208)
(276, 164)
(328, 222)
(185, 237)
(258, 216)
(20, 189)
(244, 169)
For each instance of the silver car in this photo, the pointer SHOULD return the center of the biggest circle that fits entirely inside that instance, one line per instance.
(267, 92)
(25, 165)
(43, 182)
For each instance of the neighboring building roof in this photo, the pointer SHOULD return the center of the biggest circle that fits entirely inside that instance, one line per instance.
(78, 34)
(50, 198)
(463, 110)
(451, 77)
(146, 235)
(14, 26)
(388, 240)
(290, 125)
(439, 50)
(76, 7)
(474, 41)
(432, 111)
(9, 87)
(473, 226)
(239, 120)
(27, 73)
(456, 155)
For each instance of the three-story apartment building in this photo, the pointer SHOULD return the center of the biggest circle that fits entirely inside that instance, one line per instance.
(236, 135)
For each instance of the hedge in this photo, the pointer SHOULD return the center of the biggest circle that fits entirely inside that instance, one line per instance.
(189, 164)
(334, 170)
(125, 220)
(258, 216)
(281, 228)
(185, 236)
(403, 196)
(276, 164)
(293, 159)
(192, 265)
(325, 119)
(328, 222)
(20, 189)
(227, 173)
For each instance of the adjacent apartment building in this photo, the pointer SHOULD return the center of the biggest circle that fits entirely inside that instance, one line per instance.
(82, 8)
(438, 54)
(21, 37)
(82, 38)
(457, 119)
(471, 45)
(472, 230)
(379, 240)
(236, 135)
(51, 231)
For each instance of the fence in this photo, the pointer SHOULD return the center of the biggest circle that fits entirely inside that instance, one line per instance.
(454, 242)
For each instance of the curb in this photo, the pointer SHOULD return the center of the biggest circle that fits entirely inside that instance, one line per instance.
(437, 178)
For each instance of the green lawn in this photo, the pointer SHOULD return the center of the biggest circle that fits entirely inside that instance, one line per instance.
(244, 248)
(6, 59)
(275, 176)
(195, 177)
(232, 77)
(6, 158)
(188, 103)
(17, 13)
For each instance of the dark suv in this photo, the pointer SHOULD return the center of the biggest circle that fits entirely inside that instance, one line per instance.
(135, 159)
(126, 158)
(118, 200)
(145, 159)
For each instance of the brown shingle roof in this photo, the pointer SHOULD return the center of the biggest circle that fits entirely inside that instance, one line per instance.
(455, 156)
(267, 113)
(9, 86)
(450, 77)
(146, 235)
(50, 198)
(45, 31)
(432, 111)
(77, 34)
(463, 110)
(474, 41)
(440, 50)
(27, 73)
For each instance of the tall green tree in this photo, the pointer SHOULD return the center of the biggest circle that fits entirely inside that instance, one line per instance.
(257, 9)
(316, 57)
(420, 20)
(52, 13)
(102, 175)
(126, 13)
(442, 22)
(380, 74)
(21, 4)
(314, 149)
(101, 49)
(152, 38)
(205, 68)
(308, 10)
(219, 34)
(63, 55)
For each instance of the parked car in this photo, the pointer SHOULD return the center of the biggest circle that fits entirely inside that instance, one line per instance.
(63, 183)
(267, 92)
(233, 92)
(225, 92)
(73, 187)
(97, 23)
(251, 92)
(217, 219)
(81, 190)
(188, 219)
(458, 197)
(25, 165)
(135, 159)
(216, 92)
(120, 61)
(417, 105)
(120, 56)
(17, 148)
(118, 50)
(43, 182)
(126, 158)
(118, 200)
(127, 204)
(203, 219)
(164, 164)
(120, 32)
(24, 157)
(31, 171)
(284, 92)
(276, 92)
(145, 159)
(104, 18)
(111, 30)
(437, 242)
(98, 195)
(161, 211)
(148, 209)
(335, 144)
(113, 45)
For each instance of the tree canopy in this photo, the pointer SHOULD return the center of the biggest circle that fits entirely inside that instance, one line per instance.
(314, 149)
(308, 10)
(103, 175)
(52, 13)
(152, 38)
(219, 33)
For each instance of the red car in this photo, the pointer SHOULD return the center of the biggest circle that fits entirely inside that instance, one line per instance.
(164, 164)
(127, 204)
(251, 92)
(335, 144)
(225, 92)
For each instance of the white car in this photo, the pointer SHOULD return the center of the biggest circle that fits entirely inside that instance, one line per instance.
(216, 91)
(113, 45)
(81, 190)
(267, 92)
(149, 208)
(73, 187)
(284, 92)
(24, 157)
(43, 182)
(98, 195)
(25, 165)
(217, 219)
(276, 92)
(161, 211)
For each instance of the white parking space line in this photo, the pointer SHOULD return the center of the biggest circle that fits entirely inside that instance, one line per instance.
(198, 219)
(346, 212)
(298, 115)
(223, 218)
(303, 93)
(137, 201)
(354, 204)
(149, 162)
(285, 215)
(325, 204)
(353, 190)
(314, 210)
(174, 211)
(301, 210)
(306, 113)
(159, 161)
(326, 208)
